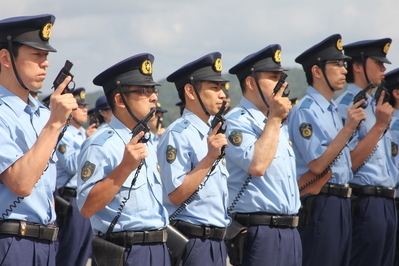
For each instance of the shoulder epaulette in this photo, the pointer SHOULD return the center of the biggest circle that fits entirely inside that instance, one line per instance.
(103, 137)
(346, 99)
(236, 114)
(395, 125)
(182, 125)
(306, 103)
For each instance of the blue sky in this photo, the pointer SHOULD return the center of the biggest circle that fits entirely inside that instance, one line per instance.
(97, 34)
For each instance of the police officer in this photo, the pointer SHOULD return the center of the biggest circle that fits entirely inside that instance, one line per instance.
(188, 154)
(323, 160)
(119, 174)
(269, 203)
(103, 110)
(392, 86)
(29, 133)
(75, 231)
(156, 124)
(375, 175)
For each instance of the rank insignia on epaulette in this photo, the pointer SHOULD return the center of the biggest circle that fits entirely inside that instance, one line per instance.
(394, 149)
(306, 130)
(62, 148)
(87, 170)
(170, 154)
(235, 138)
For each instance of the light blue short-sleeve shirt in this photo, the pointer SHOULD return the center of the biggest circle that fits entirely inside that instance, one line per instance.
(181, 147)
(100, 154)
(313, 124)
(379, 170)
(20, 126)
(277, 190)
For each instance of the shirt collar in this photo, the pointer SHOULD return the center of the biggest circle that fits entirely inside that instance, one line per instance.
(202, 127)
(252, 110)
(16, 104)
(320, 100)
(122, 131)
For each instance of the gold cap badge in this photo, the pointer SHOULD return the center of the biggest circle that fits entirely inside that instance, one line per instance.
(146, 67)
(45, 34)
(218, 65)
(339, 44)
(277, 56)
(386, 48)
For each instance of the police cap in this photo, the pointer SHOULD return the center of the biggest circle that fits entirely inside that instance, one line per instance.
(328, 49)
(392, 79)
(206, 68)
(376, 49)
(80, 95)
(133, 71)
(159, 108)
(267, 59)
(102, 103)
(33, 31)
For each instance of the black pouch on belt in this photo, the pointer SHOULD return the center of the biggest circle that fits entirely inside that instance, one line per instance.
(106, 253)
(176, 243)
(236, 239)
(61, 209)
(306, 210)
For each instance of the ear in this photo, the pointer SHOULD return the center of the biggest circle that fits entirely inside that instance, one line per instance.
(250, 83)
(316, 72)
(357, 67)
(395, 93)
(119, 101)
(189, 91)
(5, 59)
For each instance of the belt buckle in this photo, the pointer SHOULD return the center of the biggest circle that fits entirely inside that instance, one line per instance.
(348, 193)
(55, 234)
(378, 191)
(22, 228)
(273, 220)
(295, 221)
(207, 232)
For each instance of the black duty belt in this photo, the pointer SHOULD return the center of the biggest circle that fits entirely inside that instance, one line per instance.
(206, 232)
(378, 191)
(25, 229)
(248, 219)
(337, 190)
(128, 238)
(67, 192)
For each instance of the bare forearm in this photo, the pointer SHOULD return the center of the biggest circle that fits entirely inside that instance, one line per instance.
(265, 148)
(191, 181)
(22, 176)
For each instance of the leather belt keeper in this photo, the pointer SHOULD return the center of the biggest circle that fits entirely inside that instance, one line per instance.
(337, 190)
(378, 191)
(128, 238)
(24, 229)
(206, 232)
(67, 192)
(248, 219)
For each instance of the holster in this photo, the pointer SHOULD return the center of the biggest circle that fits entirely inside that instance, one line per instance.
(236, 239)
(61, 209)
(306, 210)
(176, 243)
(106, 253)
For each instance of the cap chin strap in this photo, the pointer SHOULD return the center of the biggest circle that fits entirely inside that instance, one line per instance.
(260, 91)
(9, 39)
(363, 59)
(320, 65)
(199, 99)
(118, 84)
